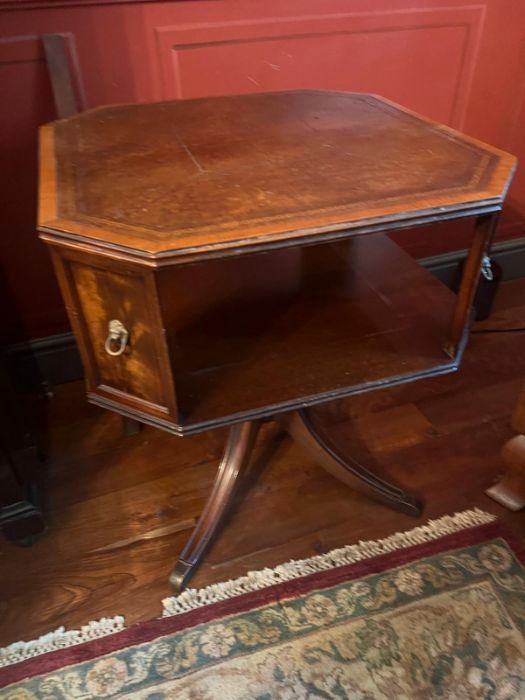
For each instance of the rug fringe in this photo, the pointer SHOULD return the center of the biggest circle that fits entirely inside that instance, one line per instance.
(193, 598)
(60, 639)
(253, 581)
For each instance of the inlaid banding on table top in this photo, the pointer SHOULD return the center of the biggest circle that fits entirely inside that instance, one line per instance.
(216, 170)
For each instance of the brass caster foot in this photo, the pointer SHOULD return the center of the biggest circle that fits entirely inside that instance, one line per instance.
(410, 505)
(180, 575)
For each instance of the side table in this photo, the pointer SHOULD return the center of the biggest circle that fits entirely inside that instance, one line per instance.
(226, 261)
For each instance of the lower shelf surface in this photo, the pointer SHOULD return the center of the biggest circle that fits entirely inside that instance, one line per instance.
(349, 317)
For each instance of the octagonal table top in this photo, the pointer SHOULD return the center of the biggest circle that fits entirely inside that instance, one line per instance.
(170, 181)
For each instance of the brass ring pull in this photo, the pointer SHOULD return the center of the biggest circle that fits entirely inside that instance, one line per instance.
(118, 333)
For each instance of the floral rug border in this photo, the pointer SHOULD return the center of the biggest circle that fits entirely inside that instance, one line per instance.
(63, 648)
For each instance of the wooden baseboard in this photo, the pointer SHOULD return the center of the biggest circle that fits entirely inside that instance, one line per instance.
(509, 254)
(44, 361)
(55, 359)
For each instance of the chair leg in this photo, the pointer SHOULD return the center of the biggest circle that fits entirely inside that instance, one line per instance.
(510, 490)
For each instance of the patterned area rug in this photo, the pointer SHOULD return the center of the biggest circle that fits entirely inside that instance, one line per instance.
(438, 612)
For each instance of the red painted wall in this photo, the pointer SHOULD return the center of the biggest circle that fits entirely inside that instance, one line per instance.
(463, 64)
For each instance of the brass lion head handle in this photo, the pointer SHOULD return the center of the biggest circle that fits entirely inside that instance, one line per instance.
(117, 339)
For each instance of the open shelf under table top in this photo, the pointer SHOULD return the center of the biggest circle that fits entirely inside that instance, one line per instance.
(307, 325)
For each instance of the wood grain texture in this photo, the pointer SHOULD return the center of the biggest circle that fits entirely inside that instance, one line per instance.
(248, 171)
(94, 295)
(120, 509)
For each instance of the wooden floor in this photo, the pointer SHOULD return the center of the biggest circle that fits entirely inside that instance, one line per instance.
(120, 509)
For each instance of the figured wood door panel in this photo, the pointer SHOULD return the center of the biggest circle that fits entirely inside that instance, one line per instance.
(103, 296)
